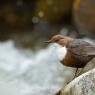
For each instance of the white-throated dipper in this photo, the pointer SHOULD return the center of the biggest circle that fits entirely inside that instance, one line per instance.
(78, 54)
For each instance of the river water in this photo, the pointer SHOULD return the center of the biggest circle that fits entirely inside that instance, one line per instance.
(24, 72)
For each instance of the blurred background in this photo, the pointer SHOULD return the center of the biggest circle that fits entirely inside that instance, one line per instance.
(28, 66)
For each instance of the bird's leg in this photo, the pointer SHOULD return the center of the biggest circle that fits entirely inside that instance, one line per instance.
(75, 73)
(81, 71)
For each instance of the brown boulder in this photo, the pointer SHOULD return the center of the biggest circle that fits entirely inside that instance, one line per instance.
(84, 15)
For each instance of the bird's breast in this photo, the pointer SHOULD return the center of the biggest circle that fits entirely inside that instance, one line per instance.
(68, 60)
(60, 51)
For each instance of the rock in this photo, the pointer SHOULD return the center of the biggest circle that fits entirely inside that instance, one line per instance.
(82, 85)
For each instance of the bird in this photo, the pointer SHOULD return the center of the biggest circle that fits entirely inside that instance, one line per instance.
(78, 52)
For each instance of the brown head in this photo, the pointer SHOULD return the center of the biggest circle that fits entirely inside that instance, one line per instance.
(60, 39)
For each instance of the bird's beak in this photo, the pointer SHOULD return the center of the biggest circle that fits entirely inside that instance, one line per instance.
(48, 41)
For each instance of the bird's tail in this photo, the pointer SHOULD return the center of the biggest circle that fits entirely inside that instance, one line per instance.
(91, 54)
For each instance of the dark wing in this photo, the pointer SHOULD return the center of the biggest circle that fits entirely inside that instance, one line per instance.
(82, 48)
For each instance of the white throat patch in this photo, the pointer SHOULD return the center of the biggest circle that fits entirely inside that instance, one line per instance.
(60, 51)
